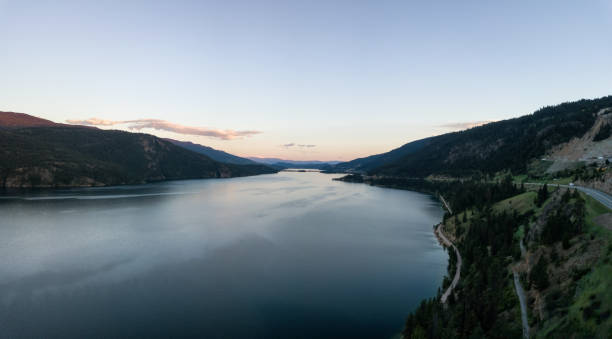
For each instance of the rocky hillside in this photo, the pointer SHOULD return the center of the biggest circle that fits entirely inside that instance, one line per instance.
(593, 146)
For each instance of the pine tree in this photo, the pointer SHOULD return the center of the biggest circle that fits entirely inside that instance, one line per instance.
(538, 275)
(542, 195)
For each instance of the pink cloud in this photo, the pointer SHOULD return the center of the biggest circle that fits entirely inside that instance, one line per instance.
(163, 125)
(289, 145)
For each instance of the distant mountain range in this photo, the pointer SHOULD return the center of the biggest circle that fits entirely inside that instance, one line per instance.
(228, 158)
(36, 152)
(212, 153)
(508, 144)
(282, 163)
(367, 164)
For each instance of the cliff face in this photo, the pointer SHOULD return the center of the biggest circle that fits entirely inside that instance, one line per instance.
(75, 156)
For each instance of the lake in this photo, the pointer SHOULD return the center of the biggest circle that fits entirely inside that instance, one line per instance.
(287, 255)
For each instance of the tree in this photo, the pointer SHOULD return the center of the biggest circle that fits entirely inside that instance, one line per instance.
(539, 275)
(418, 333)
(542, 195)
(604, 133)
(566, 196)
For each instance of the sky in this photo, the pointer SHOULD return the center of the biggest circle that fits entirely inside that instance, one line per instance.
(300, 80)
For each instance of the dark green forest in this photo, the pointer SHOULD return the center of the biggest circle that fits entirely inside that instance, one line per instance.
(80, 156)
(484, 304)
(504, 145)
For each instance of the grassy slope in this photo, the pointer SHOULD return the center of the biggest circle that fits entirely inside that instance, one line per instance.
(595, 286)
(521, 203)
(591, 290)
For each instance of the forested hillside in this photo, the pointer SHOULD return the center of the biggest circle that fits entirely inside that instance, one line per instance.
(372, 162)
(504, 145)
(212, 153)
(81, 156)
(558, 243)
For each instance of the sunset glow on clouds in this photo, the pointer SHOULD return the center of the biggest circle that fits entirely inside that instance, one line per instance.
(290, 145)
(163, 125)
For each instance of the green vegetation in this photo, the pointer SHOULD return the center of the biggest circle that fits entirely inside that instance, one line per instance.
(79, 156)
(505, 145)
(585, 312)
(520, 203)
(565, 263)
(569, 275)
(542, 195)
(537, 173)
(539, 275)
(593, 209)
(485, 304)
(566, 221)
(538, 168)
(603, 133)
(460, 194)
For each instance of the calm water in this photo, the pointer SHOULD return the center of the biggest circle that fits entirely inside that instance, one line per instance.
(288, 255)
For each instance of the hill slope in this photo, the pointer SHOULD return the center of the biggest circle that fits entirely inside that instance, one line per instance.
(553, 242)
(212, 153)
(508, 144)
(375, 161)
(59, 155)
(13, 119)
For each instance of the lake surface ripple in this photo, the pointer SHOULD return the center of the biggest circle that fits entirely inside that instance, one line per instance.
(287, 255)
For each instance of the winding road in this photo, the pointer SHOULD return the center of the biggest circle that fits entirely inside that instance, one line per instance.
(445, 204)
(521, 295)
(447, 243)
(600, 196)
(604, 198)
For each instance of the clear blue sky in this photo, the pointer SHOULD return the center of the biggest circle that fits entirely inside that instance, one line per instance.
(351, 77)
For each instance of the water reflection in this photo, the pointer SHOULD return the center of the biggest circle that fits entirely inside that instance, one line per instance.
(286, 255)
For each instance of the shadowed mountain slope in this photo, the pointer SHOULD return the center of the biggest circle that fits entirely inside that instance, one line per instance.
(212, 153)
(60, 155)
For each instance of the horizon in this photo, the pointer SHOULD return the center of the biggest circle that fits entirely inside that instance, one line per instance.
(155, 130)
(326, 81)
